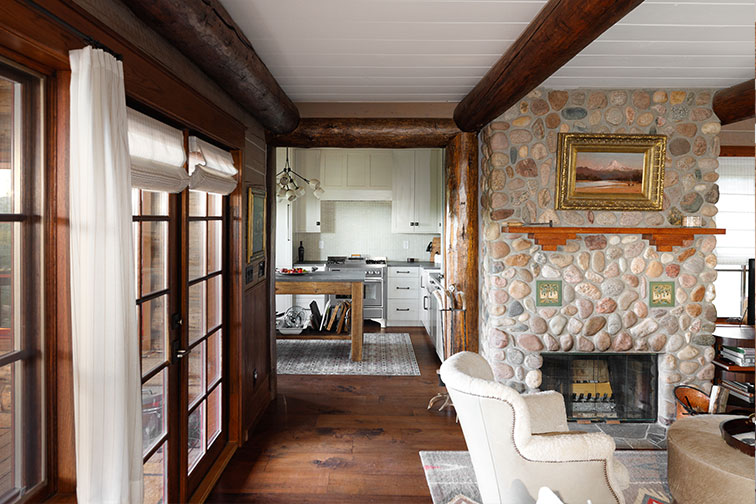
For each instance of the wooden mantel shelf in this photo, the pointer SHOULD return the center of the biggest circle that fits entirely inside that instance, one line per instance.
(549, 238)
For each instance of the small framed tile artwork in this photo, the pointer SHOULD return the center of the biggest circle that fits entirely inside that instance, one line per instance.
(548, 293)
(661, 294)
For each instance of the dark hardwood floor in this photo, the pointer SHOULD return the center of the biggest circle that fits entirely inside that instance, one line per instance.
(344, 439)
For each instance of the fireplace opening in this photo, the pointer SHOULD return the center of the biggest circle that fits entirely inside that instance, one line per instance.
(604, 387)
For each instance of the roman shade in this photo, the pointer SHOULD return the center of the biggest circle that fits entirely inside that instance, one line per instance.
(211, 169)
(157, 154)
(736, 211)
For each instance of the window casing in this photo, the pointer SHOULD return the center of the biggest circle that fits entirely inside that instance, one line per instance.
(22, 356)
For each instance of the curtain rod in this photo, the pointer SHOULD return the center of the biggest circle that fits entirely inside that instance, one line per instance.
(86, 38)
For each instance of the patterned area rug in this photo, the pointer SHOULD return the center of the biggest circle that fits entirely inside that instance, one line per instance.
(383, 354)
(451, 478)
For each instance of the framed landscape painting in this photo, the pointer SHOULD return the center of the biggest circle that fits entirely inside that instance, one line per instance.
(255, 223)
(610, 172)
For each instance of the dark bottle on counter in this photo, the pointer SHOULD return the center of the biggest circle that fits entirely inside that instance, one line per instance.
(300, 253)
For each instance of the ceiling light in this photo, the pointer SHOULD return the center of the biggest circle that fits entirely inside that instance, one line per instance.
(288, 187)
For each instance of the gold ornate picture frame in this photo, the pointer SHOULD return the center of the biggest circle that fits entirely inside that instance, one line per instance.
(610, 172)
(256, 217)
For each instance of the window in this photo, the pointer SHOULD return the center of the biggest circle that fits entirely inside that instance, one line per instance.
(151, 244)
(205, 322)
(737, 209)
(22, 424)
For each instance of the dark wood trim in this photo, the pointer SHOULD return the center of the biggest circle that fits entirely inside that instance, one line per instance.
(270, 183)
(63, 469)
(461, 240)
(559, 31)
(735, 103)
(367, 133)
(736, 151)
(235, 257)
(213, 474)
(208, 36)
(147, 81)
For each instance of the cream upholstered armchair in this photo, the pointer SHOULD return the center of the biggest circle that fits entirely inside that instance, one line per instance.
(519, 443)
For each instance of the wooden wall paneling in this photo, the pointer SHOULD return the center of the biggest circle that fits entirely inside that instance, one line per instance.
(558, 32)
(374, 133)
(735, 103)
(461, 240)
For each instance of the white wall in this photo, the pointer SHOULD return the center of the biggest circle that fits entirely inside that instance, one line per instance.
(360, 227)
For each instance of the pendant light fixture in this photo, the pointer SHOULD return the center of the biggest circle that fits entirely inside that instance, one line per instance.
(289, 189)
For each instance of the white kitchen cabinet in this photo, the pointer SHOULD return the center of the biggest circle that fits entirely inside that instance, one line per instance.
(307, 207)
(403, 296)
(356, 174)
(416, 203)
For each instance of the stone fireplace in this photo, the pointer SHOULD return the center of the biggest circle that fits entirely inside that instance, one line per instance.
(604, 276)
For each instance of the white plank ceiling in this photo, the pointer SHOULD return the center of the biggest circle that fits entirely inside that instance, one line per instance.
(437, 50)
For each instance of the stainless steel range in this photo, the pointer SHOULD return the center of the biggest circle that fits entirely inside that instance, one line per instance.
(374, 303)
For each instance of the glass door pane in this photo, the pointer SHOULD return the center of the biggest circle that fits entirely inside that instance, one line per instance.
(206, 308)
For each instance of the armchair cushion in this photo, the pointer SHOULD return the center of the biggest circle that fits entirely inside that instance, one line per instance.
(547, 412)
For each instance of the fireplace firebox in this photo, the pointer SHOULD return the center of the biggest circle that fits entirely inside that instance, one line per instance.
(604, 387)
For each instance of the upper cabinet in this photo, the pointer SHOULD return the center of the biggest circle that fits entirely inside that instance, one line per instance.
(307, 162)
(417, 192)
(356, 174)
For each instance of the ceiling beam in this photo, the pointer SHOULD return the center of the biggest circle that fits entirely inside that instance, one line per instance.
(207, 35)
(367, 132)
(559, 31)
(735, 103)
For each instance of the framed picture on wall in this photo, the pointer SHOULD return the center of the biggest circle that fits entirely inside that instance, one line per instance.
(256, 204)
(610, 172)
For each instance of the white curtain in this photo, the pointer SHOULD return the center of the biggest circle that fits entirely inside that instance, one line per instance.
(157, 155)
(211, 168)
(107, 381)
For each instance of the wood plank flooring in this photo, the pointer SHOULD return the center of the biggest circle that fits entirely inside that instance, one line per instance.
(344, 439)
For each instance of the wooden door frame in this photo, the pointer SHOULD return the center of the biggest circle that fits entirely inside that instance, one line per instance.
(461, 196)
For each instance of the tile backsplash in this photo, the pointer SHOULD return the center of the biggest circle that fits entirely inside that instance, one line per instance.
(360, 227)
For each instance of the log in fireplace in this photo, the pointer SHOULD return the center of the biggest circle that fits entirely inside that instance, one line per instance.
(604, 387)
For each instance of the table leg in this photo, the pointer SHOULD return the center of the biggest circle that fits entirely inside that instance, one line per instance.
(357, 321)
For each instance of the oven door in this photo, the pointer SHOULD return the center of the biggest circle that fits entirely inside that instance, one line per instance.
(373, 293)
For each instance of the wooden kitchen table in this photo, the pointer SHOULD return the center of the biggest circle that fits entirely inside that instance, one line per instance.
(349, 283)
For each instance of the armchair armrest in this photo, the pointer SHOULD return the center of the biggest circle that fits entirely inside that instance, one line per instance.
(569, 446)
(547, 412)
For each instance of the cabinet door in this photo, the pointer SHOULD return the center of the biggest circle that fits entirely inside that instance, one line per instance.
(402, 190)
(307, 207)
(381, 165)
(425, 194)
(334, 169)
(357, 172)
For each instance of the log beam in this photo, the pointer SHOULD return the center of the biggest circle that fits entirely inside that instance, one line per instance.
(559, 31)
(207, 35)
(735, 103)
(461, 241)
(367, 133)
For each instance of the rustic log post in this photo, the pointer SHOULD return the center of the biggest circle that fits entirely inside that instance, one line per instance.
(735, 103)
(207, 35)
(461, 240)
(559, 31)
(367, 133)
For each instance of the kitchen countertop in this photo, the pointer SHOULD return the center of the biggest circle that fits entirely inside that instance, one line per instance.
(416, 264)
(324, 276)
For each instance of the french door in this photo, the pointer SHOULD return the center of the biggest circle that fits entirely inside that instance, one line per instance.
(178, 242)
